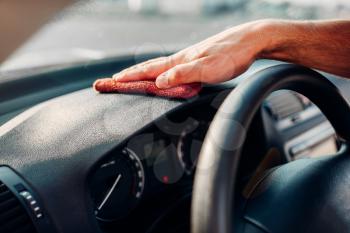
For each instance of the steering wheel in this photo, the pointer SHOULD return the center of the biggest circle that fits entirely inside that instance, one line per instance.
(310, 195)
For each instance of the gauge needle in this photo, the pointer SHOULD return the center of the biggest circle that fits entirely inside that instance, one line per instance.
(110, 192)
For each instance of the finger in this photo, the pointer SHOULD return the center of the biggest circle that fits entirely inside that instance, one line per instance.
(211, 69)
(109, 85)
(181, 74)
(148, 70)
(103, 85)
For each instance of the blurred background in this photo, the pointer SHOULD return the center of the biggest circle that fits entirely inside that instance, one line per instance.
(96, 29)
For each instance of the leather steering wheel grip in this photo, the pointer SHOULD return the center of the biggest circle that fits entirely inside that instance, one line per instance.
(215, 177)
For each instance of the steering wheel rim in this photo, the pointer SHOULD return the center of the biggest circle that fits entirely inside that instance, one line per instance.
(213, 192)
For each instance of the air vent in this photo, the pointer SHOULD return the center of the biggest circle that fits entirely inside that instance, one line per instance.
(13, 216)
(282, 104)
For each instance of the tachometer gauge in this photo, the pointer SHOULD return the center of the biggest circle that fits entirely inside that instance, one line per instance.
(189, 145)
(117, 185)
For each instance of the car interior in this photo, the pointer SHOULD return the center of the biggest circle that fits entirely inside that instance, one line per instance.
(265, 152)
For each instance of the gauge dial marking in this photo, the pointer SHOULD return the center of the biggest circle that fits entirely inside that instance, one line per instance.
(110, 191)
(117, 187)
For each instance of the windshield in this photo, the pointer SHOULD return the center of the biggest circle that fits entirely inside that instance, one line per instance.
(92, 30)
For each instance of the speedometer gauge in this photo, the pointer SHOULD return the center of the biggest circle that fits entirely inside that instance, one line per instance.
(117, 185)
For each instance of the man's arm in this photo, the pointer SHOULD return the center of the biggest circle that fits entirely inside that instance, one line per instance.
(323, 45)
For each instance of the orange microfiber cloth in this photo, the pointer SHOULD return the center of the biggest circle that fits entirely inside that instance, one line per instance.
(109, 85)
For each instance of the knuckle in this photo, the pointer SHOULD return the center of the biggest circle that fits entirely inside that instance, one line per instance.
(175, 76)
(146, 68)
(176, 73)
(192, 55)
(203, 53)
(171, 60)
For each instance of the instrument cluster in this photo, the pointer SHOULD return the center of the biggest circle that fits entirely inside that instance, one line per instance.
(147, 163)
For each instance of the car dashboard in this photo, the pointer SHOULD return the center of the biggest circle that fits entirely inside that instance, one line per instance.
(87, 162)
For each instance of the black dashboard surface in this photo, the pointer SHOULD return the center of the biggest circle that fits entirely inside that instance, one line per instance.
(54, 145)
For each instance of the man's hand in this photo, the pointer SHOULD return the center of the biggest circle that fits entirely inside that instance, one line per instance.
(322, 45)
(216, 59)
